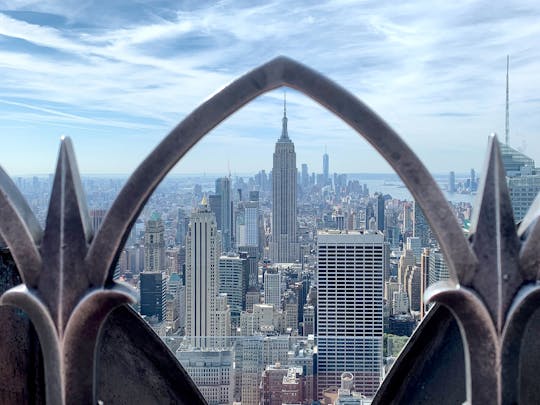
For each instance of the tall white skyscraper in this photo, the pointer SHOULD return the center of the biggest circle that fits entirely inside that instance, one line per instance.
(205, 352)
(350, 308)
(203, 249)
(284, 245)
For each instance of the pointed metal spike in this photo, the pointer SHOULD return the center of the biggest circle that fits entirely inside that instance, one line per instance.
(529, 230)
(20, 230)
(65, 241)
(74, 181)
(495, 241)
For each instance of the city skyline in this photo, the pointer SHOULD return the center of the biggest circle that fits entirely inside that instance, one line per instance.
(436, 75)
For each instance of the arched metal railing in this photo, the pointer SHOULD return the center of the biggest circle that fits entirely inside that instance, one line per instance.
(68, 292)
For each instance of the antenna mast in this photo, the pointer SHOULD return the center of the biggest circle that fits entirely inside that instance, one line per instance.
(507, 129)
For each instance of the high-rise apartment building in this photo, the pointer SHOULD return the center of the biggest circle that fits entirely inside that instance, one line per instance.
(350, 308)
(284, 246)
(203, 249)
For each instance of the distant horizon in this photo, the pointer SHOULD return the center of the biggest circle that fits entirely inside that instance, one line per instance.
(233, 175)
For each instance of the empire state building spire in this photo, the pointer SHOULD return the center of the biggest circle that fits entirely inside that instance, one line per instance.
(284, 133)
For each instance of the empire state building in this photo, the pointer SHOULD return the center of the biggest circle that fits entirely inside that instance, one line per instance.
(284, 245)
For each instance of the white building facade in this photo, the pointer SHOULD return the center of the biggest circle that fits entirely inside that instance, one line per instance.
(203, 249)
(350, 308)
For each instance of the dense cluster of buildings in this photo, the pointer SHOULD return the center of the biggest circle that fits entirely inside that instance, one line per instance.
(286, 287)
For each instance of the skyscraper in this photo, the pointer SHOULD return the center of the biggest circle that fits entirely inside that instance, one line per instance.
(284, 245)
(154, 244)
(522, 178)
(421, 227)
(272, 287)
(413, 284)
(305, 176)
(438, 270)
(326, 167)
(424, 274)
(153, 288)
(181, 227)
(452, 182)
(223, 189)
(205, 352)
(474, 184)
(380, 212)
(233, 281)
(350, 308)
(96, 218)
(203, 249)
(253, 222)
(214, 202)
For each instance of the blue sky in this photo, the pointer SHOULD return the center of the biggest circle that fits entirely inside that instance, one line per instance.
(117, 77)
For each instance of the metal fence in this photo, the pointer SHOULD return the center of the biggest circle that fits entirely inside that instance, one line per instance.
(77, 343)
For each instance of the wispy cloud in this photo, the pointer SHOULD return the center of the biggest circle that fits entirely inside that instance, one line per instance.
(435, 73)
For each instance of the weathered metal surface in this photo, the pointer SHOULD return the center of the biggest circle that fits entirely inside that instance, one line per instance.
(21, 364)
(132, 355)
(68, 291)
(431, 367)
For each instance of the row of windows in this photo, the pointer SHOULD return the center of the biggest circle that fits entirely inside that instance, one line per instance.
(356, 246)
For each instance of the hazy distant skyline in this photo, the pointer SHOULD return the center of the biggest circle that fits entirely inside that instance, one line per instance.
(117, 77)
